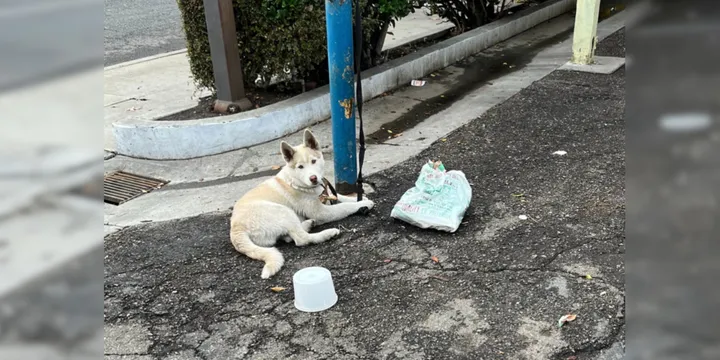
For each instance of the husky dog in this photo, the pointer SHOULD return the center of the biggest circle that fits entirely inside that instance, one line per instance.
(288, 206)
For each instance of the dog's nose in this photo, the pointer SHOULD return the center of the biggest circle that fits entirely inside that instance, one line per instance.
(313, 179)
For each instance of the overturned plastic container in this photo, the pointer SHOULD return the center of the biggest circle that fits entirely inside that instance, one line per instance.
(314, 289)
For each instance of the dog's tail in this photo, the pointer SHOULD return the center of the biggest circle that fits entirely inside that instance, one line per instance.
(271, 256)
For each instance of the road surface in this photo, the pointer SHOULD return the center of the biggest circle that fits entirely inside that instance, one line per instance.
(140, 28)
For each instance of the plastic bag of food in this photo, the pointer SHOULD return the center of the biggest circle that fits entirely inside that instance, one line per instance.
(438, 200)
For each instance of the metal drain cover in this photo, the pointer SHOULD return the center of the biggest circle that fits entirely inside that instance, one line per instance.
(120, 187)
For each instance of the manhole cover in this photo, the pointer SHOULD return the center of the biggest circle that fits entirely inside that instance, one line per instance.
(120, 187)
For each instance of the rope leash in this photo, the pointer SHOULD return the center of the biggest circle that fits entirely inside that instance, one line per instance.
(325, 196)
(358, 95)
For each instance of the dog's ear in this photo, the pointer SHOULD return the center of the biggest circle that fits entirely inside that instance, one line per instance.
(310, 141)
(287, 151)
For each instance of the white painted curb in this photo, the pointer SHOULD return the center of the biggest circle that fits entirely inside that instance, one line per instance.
(166, 140)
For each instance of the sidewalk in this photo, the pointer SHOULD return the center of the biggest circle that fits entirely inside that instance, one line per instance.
(177, 290)
(162, 85)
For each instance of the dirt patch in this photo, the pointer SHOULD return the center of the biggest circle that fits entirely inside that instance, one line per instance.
(259, 98)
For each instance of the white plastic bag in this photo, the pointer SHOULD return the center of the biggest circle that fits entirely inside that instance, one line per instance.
(438, 200)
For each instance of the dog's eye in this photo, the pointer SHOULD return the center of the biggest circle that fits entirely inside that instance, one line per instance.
(300, 166)
(314, 161)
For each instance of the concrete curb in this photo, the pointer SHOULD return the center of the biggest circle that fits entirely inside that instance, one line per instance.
(145, 59)
(195, 138)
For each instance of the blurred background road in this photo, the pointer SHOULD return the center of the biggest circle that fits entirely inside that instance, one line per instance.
(45, 39)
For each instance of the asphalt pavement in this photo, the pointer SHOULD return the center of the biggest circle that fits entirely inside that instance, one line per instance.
(177, 289)
(139, 28)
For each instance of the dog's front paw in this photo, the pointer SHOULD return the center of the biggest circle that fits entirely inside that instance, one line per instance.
(308, 224)
(333, 233)
(369, 204)
(365, 206)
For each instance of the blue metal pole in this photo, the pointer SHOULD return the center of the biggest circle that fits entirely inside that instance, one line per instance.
(338, 15)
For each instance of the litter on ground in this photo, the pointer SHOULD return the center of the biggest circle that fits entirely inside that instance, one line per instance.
(566, 319)
(438, 200)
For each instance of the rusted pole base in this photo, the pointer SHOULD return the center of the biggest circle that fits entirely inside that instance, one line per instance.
(232, 107)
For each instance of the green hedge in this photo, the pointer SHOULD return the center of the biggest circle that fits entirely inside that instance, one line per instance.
(268, 38)
(273, 34)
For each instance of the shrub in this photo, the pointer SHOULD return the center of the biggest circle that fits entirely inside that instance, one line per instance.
(277, 36)
(272, 35)
(464, 14)
(378, 15)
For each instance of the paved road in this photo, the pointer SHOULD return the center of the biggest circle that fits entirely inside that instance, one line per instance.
(47, 38)
(140, 28)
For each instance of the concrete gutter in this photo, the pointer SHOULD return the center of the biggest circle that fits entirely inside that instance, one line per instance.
(195, 138)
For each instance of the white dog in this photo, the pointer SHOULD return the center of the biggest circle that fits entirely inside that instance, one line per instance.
(278, 207)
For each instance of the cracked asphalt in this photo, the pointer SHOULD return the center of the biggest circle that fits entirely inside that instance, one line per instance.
(178, 290)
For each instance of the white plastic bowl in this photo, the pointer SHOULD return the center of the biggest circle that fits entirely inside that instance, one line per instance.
(314, 289)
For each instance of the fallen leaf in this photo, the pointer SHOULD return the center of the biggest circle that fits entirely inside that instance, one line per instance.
(276, 167)
(389, 131)
(277, 289)
(435, 259)
(387, 261)
(566, 318)
(588, 276)
(443, 140)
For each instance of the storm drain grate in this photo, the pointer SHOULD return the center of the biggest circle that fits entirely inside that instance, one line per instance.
(120, 187)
